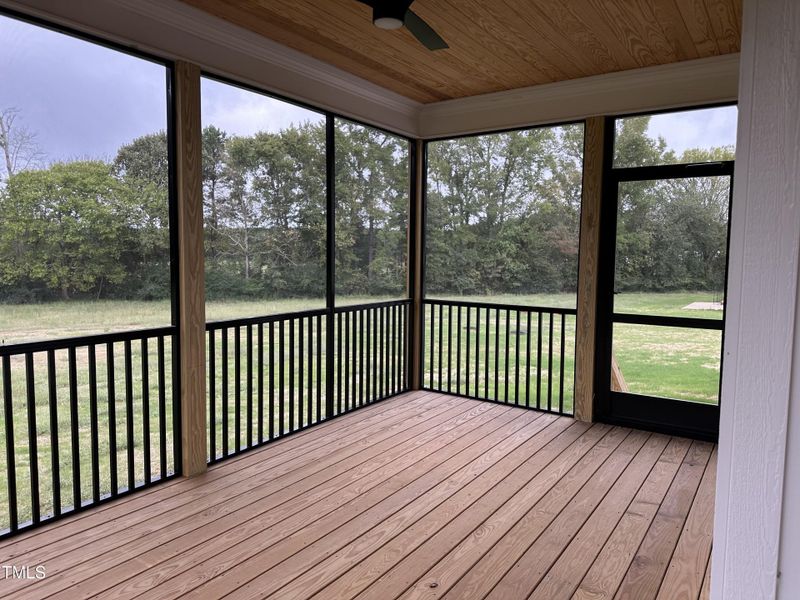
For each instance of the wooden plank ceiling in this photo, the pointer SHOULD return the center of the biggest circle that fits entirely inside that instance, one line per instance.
(494, 46)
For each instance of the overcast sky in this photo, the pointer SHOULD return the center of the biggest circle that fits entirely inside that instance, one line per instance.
(85, 101)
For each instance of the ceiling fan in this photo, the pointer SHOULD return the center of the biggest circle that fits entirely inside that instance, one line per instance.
(394, 14)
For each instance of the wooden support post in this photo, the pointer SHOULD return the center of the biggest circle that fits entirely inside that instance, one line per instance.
(585, 330)
(188, 156)
(415, 255)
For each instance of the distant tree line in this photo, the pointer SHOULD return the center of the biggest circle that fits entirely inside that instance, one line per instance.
(502, 217)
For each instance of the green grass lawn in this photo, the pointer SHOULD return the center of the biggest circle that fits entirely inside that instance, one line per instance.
(654, 360)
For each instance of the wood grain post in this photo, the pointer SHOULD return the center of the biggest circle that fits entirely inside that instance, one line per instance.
(415, 254)
(585, 330)
(191, 279)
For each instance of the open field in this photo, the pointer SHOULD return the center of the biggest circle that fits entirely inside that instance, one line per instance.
(654, 360)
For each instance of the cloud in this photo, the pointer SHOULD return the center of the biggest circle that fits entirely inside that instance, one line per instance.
(83, 100)
(704, 128)
(243, 112)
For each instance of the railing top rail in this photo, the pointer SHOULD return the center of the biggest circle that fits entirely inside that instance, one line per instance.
(366, 305)
(85, 340)
(299, 314)
(502, 306)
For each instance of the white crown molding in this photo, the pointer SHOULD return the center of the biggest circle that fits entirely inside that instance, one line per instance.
(174, 30)
(205, 26)
(686, 83)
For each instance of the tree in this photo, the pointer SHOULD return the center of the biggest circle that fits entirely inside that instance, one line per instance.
(18, 144)
(66, 226)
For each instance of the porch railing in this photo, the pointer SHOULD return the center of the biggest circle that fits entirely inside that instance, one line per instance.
(85, 420)
(514, 354)
(274, 375)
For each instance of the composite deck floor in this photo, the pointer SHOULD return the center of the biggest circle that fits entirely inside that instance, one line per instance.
(420, 496)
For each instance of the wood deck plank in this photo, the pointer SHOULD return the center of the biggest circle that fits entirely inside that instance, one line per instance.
(582, 543)
(392, 515)
(378, 414)
(646, 572)
(193, 499)
(555, 440)
(544, 495)
(371, 482)
(684, 577)
(213, 516)
(421, 496)
(612, 562)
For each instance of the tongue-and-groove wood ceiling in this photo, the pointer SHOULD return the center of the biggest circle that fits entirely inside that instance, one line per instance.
(495, 45)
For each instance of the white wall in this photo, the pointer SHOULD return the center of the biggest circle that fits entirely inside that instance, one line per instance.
(756, 533)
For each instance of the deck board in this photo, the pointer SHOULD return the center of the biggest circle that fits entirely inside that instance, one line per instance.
(421, 496)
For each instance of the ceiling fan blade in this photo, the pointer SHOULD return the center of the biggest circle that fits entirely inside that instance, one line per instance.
(424, 32)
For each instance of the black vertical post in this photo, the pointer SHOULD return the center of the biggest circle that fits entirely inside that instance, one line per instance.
(330, 257)
(11, 461)
(33, 435)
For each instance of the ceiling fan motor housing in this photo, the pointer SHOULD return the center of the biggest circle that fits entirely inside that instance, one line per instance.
(390, 15)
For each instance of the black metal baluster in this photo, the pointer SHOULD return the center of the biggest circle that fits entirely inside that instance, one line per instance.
(433, 321)
(310, 395)
(319, 367)
(11, 467)
(260, 342)
(338, 318)
(281, 368)
(441, 343)
(539, 362)
(392, 315)
(466, 362)
(486, 356)
(129, 432)
(146, 412)
(271, 407)
(561, 369)
(449, 347)
(361, 358)
(112, 418)
(237, 387)
(73, 416)
(212, 396)
(162, 408)
(458, 351)
(353, 358)
(496, 354)
(550, 366)
(175, 378)
(508, 341)
(224, 407)
(291, 376)
(33, 449)
(346, 360)
(376, 390)
(516, 363)
(477, 351)
(300, 379)
(55, 463)
(528, 362)
(93, 423)
(367, 370)
(379, 320)
(249, 386)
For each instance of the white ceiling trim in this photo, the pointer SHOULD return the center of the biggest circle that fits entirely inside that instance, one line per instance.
(687, 83)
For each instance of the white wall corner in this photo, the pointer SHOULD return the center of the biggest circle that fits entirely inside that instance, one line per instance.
(758, 483)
